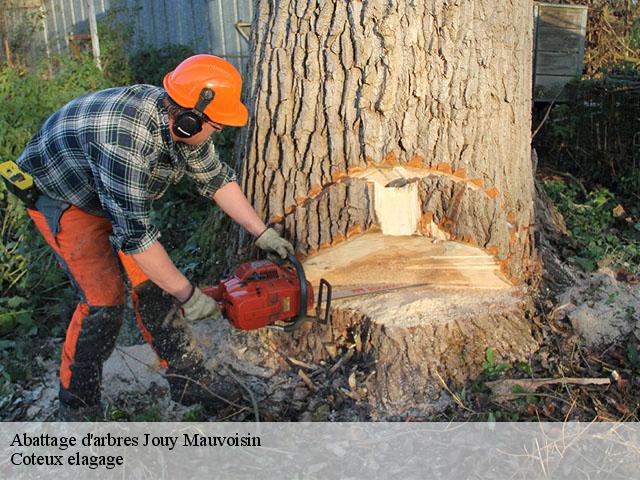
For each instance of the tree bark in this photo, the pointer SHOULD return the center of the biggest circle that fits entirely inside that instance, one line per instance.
(366, 111)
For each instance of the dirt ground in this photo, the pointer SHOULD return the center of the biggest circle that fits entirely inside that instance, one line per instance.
(591, 332)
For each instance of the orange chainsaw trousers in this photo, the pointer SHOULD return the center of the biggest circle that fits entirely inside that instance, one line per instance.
(81, 243)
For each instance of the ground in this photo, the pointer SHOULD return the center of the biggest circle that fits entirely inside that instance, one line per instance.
(592, 331)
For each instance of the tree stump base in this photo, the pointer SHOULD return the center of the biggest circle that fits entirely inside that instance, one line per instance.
(431, 332)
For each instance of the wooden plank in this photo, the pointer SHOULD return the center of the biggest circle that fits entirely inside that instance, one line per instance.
(559, 40)
(560, 16)
(558, 63)
(559, 48)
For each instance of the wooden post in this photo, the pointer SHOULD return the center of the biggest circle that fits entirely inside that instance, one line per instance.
(4, 32)
(93, 28)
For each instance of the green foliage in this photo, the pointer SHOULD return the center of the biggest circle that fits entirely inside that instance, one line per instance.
(151, 414)
(614, 42)
(491, 367)
(524, 368)
(195, 414)
(15, 365)
(30, 98)
(594, 135)
(150, 64)
(589, 217)
(116, 414)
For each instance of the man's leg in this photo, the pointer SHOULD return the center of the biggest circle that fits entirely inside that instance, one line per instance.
(164, 328)
(159, 319)
(81, 243)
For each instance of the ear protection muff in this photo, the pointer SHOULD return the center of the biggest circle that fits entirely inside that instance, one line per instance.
(189, 122)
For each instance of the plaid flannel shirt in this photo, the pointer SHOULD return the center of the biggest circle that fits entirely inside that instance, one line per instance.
(110, 153)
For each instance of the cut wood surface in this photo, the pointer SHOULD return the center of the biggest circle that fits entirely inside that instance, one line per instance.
(376, 259)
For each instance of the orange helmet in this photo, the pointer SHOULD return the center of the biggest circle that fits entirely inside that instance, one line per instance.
(185, 83)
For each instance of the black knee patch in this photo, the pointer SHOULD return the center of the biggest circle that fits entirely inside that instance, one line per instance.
(171, 336)
(95, 343)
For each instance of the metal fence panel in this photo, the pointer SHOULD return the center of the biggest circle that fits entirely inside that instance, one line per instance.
(205, 25)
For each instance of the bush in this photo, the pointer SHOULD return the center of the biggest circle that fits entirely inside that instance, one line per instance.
(595, 135)
(150, 64)
(26, 301)
(30, 97)
(607, 235)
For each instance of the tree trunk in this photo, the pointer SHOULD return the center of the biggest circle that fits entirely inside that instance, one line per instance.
(390, 141)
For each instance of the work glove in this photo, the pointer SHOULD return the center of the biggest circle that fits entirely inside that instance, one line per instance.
(200, 306)
(271, 241)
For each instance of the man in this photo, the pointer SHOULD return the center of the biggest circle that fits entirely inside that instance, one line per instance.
(97, 164)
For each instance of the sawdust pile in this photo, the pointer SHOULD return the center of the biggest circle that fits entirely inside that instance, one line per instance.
(601, 309)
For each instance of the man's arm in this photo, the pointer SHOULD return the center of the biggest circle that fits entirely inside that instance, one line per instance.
(160, 269)
(234, 203)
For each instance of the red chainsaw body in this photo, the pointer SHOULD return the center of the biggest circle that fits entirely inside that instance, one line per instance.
(259, 293)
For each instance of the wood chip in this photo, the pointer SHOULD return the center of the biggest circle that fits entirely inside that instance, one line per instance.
(307, 381)
(352, 381)
(301, 364)
(331, 349)
(503, 389)
(548, 409)
(352, 395)
(618, 211)
(344, 359)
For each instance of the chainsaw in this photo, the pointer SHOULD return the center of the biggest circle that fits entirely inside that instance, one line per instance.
(268, 294)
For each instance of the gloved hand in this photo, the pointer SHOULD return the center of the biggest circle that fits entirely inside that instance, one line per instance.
(271, 241)
(200, 306)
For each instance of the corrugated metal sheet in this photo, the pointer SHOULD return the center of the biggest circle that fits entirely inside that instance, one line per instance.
(205, 25)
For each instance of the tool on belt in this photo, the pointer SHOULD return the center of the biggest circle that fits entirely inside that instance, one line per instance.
(19, 183)
(273, 295)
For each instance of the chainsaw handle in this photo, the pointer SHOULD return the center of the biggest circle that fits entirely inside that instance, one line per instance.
(304, 295)
(304, 298)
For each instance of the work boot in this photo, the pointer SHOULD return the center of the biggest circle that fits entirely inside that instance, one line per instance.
(197, 385)
(71, 413)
